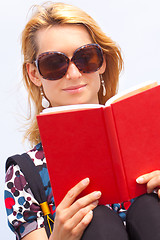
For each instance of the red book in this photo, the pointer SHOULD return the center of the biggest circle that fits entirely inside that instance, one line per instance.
(112, 145)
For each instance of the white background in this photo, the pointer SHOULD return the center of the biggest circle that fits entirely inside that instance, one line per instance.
(133, 24)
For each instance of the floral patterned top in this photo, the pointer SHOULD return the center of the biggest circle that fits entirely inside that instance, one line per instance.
(23, 211)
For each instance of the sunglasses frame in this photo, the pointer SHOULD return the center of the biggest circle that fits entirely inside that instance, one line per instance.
(68, 60)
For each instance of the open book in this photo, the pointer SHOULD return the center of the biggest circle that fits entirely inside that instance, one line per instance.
(112, 144)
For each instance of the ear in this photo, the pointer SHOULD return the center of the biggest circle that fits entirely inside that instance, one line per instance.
(33, 74)
(103, 67)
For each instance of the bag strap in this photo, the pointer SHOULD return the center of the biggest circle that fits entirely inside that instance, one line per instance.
(29, 169)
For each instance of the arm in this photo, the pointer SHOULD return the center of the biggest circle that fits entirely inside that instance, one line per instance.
(39, 234)
(152, 180)
(72, 217)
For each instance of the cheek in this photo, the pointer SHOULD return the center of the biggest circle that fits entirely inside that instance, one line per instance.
(96, 82)
(49, 87)
(99, 82)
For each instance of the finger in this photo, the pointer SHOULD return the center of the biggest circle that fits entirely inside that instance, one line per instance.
(84, 201)
(79, 204)
(73, 193)
(147, 177)
(77, 218)
(158, 192)
(153, 184)
(79, 229)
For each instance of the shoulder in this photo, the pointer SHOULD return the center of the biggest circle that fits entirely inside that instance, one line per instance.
(18, 167)
(24, 172)
(23, 210)
(37, 155)
(29, 164)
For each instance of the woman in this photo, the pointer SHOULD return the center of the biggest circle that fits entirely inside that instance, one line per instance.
(62, 34)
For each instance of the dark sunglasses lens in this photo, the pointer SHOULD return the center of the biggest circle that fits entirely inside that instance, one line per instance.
(53, 66)
(88, 59)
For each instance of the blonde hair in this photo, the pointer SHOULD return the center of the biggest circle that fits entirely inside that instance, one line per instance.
(60, 13)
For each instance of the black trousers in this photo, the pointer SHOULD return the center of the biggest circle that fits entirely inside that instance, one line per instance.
(142, 221)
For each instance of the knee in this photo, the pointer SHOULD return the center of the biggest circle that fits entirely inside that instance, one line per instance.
(144, 207)
(103, 214)
(144, 203)
(143, 216)
(100, 209)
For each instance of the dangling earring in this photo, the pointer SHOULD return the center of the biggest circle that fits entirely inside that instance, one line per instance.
(103, 85)
(45, 102)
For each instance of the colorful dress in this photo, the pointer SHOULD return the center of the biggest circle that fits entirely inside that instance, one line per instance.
(23, 211)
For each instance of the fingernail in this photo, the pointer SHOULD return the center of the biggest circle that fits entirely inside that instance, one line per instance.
(85, 181)
(140, 180)
(91, 212)
(95, 203)
(97, 194)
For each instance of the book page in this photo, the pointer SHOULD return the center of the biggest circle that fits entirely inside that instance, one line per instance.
(130, 92)
(69, 108)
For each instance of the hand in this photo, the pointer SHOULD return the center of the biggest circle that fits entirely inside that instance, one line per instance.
(72, 217)
(152, 180)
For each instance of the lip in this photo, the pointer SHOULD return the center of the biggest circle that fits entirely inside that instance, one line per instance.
(74, 89)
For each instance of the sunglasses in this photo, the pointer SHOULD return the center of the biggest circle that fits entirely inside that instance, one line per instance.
(54, 65)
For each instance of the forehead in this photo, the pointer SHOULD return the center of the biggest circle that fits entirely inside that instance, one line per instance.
(64, 38)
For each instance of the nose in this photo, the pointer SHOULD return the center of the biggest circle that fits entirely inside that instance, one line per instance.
(73, 72)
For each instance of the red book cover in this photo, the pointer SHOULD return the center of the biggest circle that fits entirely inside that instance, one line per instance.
(111, 145)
